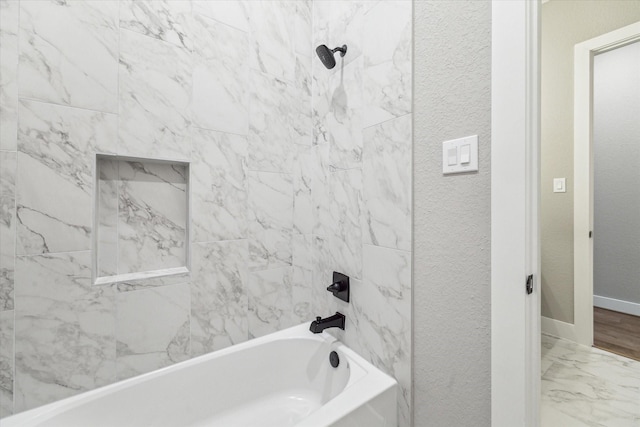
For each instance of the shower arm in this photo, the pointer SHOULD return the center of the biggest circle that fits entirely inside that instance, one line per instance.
(342, 49)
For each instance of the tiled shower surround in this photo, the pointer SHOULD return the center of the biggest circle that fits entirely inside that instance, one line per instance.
(295, 171)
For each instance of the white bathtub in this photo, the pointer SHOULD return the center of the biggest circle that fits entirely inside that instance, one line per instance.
(283, 379)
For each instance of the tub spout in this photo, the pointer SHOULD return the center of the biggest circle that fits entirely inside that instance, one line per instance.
(335, 321)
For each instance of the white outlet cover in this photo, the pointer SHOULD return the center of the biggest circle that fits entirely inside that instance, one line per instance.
(458, 166)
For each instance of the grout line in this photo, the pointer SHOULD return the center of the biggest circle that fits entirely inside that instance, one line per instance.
(220, 131)
(209, 18)
(51, 253)
(41, 101)
(388, 120)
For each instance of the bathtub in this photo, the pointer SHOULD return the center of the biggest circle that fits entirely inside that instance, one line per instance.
(282, 379)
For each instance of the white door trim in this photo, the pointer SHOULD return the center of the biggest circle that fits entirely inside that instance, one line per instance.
(515, 316)
(583, 172)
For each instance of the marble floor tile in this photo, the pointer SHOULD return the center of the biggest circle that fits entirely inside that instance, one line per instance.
(585, 386)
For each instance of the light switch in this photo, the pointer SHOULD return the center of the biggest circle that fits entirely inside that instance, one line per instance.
(453, 156)
(559, 185)
(465, 154)
(460, 155)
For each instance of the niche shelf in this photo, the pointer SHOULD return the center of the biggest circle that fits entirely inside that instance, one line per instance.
(141, 219)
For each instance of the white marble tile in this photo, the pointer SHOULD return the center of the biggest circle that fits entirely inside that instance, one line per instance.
(302, 245)
(6, 363)
(270, 219)
(69, 52)
(387, 61)
(272, 38)
(337, 113)
(218, 186)
(302, 296)
(54, 180)
(272, 125)
(64, 329)
(383, 307)
(231, 12)
(588, 386)
(340, 219)
(386, 173)
(220, 77)
(551, 417)
(9, 23)
(152, 216)
(269, 249)
(302, 118)
(218, 296)
(303, 26)
(152, 329)
(155, 96)
(167, 20)
(302, 280)
(305, 168)
(593, 361)
(270, 301)
(7, 227)
(107, 217)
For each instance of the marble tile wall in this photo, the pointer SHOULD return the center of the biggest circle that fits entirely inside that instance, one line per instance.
(224, 86)
(295, 171)
(360, 180)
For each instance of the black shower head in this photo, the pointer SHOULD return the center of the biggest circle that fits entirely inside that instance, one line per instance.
(326, 55)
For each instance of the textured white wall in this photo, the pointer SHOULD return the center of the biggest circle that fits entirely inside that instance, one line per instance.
(616, 145)
(452, 312)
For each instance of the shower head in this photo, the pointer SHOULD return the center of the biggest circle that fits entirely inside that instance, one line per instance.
(326, 55)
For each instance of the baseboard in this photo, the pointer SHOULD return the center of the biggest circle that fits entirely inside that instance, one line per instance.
(558, 328)
(617, 305)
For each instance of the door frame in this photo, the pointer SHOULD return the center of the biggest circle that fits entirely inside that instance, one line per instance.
(515, 171)
(583, 205)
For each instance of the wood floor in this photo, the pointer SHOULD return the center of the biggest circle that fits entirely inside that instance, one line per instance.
(616, 332)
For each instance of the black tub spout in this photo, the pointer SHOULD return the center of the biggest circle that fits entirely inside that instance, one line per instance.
(335, 321)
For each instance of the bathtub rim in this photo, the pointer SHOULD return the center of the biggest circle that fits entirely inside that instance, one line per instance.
(365, 383)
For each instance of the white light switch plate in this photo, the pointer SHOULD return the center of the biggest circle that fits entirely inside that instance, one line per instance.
(466, 159)
(559, 185)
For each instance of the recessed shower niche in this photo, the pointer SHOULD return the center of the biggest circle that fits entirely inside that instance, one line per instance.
(141, 219)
